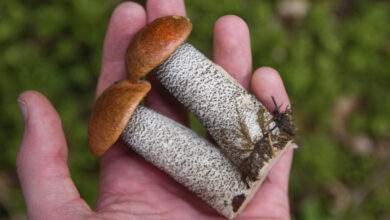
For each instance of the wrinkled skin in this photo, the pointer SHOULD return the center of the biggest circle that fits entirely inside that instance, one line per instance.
(129, 187)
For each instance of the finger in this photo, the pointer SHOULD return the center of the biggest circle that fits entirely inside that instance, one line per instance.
(158, 8)
(127, 19)
(273, 194)
(271, 200)
(232, 49)
(42, 163)
(267, 83)
(158, 98)
(122, 172)
(119, 174)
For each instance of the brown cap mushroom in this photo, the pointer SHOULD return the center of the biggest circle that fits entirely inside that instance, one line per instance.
(155, 43)
(150, 47)
(111, 113)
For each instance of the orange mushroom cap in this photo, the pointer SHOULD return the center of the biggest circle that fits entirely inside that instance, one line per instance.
(111, 113)
(153, 44)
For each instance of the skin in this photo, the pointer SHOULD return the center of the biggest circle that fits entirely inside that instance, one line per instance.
(130, 188)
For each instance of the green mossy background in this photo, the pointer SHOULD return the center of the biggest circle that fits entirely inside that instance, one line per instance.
(336, 52)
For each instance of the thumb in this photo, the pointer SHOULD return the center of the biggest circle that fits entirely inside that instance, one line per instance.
(42, 162)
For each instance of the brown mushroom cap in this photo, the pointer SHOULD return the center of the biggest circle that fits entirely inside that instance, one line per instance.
(155, 43)
(111, 113)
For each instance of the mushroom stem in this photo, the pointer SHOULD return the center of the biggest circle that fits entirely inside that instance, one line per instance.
(238, 122)
(189, 159)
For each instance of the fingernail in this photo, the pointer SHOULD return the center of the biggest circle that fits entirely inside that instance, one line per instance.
(23, 108)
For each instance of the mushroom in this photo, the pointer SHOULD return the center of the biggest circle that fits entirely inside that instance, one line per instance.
(241, 126)
(191, 160)
(249, 140)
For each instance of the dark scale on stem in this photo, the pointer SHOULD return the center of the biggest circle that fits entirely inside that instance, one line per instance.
(255, 161)
(237, 202)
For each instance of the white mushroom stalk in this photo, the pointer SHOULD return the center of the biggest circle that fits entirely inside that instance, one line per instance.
(189, 159)
(242, 127)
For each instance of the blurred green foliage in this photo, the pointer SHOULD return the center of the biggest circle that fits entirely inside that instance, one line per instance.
(335, 49)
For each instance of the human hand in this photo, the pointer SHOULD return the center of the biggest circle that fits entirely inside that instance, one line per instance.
(131, 188)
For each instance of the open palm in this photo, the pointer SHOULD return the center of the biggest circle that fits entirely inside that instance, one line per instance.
(130, 188)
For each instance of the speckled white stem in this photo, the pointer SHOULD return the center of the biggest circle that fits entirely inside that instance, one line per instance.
(235, 119)
(189, 159)
(232, 116)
